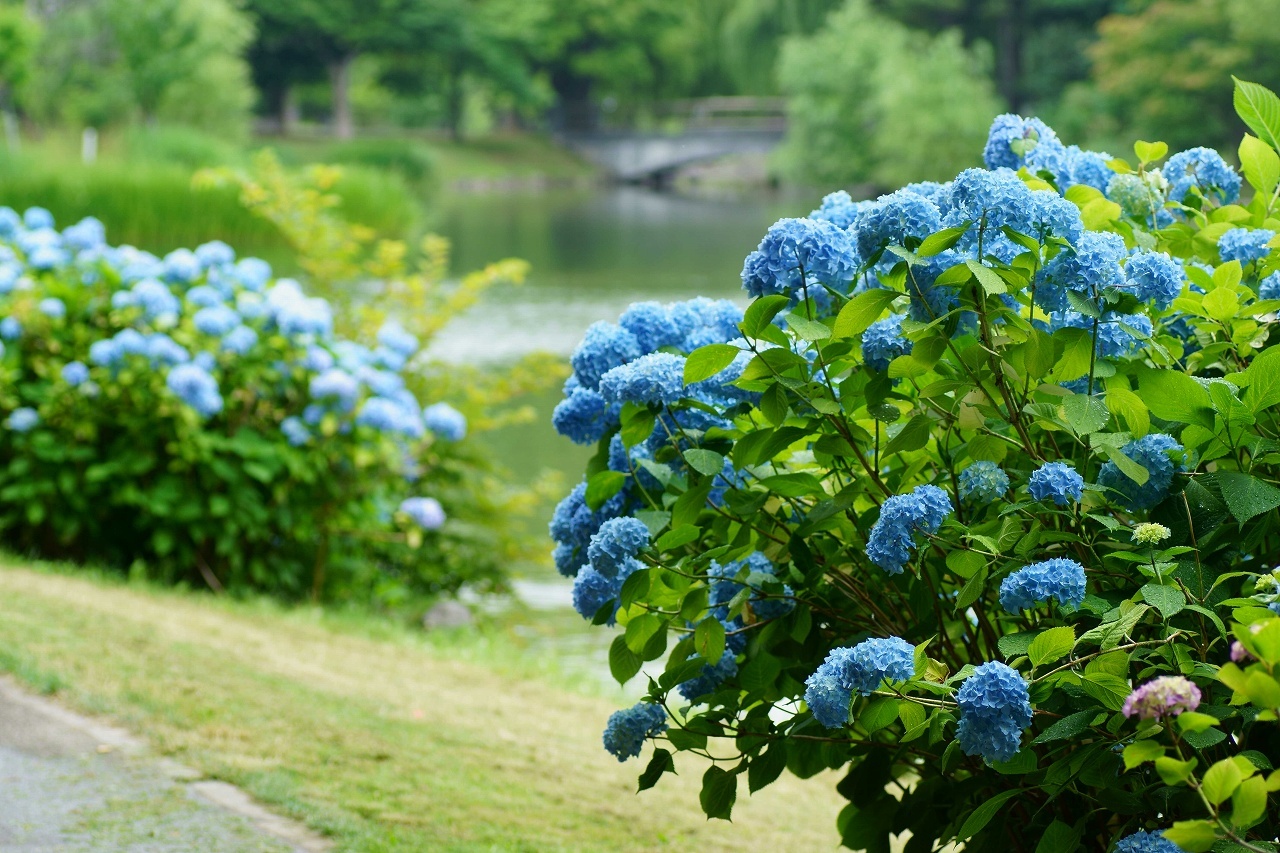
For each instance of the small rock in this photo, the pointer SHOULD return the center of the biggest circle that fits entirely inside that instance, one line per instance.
(447, 614)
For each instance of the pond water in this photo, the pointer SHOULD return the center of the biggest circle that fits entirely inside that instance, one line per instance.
(593, 252)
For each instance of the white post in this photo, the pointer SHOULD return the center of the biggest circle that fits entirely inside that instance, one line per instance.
(11, 131)
(89, 145)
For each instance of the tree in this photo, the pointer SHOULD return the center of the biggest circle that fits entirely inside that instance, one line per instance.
(872, 101)
(19, 35)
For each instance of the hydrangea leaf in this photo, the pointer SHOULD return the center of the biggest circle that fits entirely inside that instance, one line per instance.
(1260, 163)
(1169, 600)
(766, 767)
(983, 814)
(1084, 414)
(623, 663)
(705, 362)
(1247, 496)
(1051, 645)
(661, 762)
(1141, 751)
(992, 283)
(1060, 837)
(1259, 108)
(704, 461)
(861, 311)
(1068, 727)
(761, 312)
(719, 792)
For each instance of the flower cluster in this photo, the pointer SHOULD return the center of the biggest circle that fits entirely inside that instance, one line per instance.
(1057, 482)
(1166, 696)
(1147, 842)
(860, 669)
(995, 708)
(894, 535)
(982, 482)
(1059, 578)
(1152, 453)
(627, 729)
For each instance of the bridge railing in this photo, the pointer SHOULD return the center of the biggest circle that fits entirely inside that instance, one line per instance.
(671, 117)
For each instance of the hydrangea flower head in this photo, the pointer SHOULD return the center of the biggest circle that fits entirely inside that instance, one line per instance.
(182, 266)
(894, 219)
(156, 299)
(393, 336)
(1269, 287)
(800, 252)
(53, 308)
(653, 378)
(1166, 696)
(1202, 169)
(10, 329)
(839, 209)
(603, 347)
(22, 419)
(239, 340)
(1151, 533)
(710, 676)
(1086, 167)
(1090, 267)
(195, 387)
(1154, 277)
(37, 217)
(1245, 245)
(1147, 842)
(75, 373)
(215, 253)
(882, 342)
(425, 512)
(652, 325)
(626, 731)
(892, 537)
(995, 708)
(295, 431)
(1139, 196)
(1052, 215)
(982, 482)
(584, 417)
(252, 273)
(860, 669)
(204, 296)
(1151, 452)
(445, 421)
(617, 541)
(1056, 481)
(392, 415)
(1058, 578)
(1118, 335)
(1012, 137)
(336, 384)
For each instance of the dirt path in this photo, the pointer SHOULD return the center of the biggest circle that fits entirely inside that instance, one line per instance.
(68, 783)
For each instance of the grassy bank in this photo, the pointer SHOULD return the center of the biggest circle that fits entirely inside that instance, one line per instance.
(376, 735)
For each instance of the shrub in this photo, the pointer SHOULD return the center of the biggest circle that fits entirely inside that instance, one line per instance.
(197, 418)
(1006, 561)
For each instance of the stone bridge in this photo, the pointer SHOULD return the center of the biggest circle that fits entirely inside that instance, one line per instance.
(711, 128)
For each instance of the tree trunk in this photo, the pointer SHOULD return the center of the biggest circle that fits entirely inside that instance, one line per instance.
(340, 86)
(1009, 54)
(290, 110)
(454, 105)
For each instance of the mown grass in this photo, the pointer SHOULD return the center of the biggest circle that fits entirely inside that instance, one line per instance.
(373, 733)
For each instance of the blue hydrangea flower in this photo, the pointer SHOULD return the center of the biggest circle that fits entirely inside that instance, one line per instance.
(983, 482)
(239, 340)
(336, 384)
(37, 217)
(584, 417)
(204, 296)
(387, 414)
(445, 421)
(1118, 334)
(592, 591)
(1203, 169)
(424, 512)
(723, 586)
(1058, 578)
(929, 302)
(652, 325)
(995, 708)
(1091, 266)
(1138, 196)
(164, 351)
(989, 200)
(75, 373)
(182, 266)
(893, 536)
(1269, 287)
(393, 336)
(216, 321)
(1009, 128)
(1051, 215)
(573, 523)
(1086, 167)
(294, 313)
(894, 219)
(800, 252)
(1151, 452)
(195, 387)
(10, 222)
(1154, 277)
(938, 193)
(215, 253)
(23, 419)
(603, 347)
(882, 342)
(860, 669)
(710, 677)
(53, 308)
(1245, 245)
(1146, 842)
(654, 378)
(155, 299)
(626, 731)
(839, 209)
(295, 431)
(252, 273)
(617, 541)
(1056, 481)
(10, 329)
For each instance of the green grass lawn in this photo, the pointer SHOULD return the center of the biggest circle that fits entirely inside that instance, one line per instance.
(374, 734)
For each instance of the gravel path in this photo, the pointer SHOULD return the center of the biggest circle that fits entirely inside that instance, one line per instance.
(68, 783)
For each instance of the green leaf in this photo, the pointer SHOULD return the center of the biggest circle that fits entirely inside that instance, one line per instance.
(659, 764)
(1038, 353)
(640, 629)
(1247, 496)
(704, 461)
(1051, 645)
(1260, 164)
(1068, 727)
(914, 435)
(1084, 414)
(1076, 354)
(1221, 780)
(1108, 689)
(1169, 600)
(1174, 772)
(1174, 396)
(1150, 152)
(623, 663)
(992, 284)
(1141, 751)
(674, 538)
(1249, 802)
(971, 590)
(808, 330)
(861, 311)
(708, 640)
(878, 713)
(1194, 721)
(1128, 405)
(982, 815)
(1193, 836)
(766, 767)
(760, 673)
(1259, 108)
(1085, 305)
(1060, 837)
(602, 486)
(761, 313)
(705, 362)
(937, 243)
(719, 792)
(1138, 473)
(637, 426)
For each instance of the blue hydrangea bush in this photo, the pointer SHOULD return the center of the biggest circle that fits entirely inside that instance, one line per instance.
(196, 417)
(975, 503)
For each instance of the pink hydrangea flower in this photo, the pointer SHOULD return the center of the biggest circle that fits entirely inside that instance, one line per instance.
(1168, 695)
